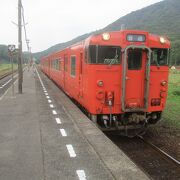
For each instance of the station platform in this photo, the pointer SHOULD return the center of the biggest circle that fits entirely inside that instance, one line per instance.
(44, 136)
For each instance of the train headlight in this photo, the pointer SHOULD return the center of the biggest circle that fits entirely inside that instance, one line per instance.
(100, 83)
(163, 83)
(106, 36)
(162, 40)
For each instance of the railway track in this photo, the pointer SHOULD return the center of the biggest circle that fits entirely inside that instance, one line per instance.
(163, 153)
(5, 75)
(6, 82)
(8, 74)
(150, 158)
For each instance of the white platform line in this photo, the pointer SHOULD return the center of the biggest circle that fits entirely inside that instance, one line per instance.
(39, 78)
(58, 121)
(49, 101)
(71, 150)
(63, 132)
(46, 94)
(54, 112)
(51, 106)
(47, 97)
(81, 174)
(6, 83)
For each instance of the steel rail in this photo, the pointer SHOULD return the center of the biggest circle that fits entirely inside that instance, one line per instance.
(7, 74)
(161, 151)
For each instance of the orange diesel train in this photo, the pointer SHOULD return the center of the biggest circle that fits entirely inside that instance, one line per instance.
(119, 78)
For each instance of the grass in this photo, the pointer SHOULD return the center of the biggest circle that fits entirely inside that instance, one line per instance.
(171, 114)
(6, 68)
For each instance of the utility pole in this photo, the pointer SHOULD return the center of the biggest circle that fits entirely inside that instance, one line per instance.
(20, 72)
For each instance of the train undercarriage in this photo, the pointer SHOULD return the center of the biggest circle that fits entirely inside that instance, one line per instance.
(128, 124)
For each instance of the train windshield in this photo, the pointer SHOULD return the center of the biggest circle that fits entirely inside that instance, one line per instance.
(159, 57)
(104, 54)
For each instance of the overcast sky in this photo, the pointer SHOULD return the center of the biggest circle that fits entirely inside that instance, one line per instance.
(54, 21)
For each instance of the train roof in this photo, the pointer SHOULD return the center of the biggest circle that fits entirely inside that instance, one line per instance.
(118, 36)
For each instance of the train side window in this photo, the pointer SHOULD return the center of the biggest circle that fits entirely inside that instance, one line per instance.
(73, 66)
(57, 64)
(134, 59)
(60, 64)
(92, 54)
(109, 55)
(159, 57)
(104, 54)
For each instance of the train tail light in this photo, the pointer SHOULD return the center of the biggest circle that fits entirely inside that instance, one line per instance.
(162, 94)
(155, 102)
(100, 95)
(110, 96)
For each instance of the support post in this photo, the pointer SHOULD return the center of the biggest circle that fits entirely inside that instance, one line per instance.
(20, 72)
(12, 75)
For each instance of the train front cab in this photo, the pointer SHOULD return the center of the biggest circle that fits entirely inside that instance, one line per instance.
(130, 82)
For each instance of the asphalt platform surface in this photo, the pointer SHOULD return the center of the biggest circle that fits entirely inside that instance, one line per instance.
(44, 136)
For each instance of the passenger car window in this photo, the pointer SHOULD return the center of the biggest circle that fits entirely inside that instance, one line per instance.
(73, 65)
(56, 64)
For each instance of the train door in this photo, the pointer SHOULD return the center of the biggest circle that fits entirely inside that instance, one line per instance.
(80, 75)
(48, 67)
(65, 76)
(135, 79)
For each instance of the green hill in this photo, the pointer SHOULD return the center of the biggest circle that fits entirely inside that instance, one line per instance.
(162, 18)
(3, 54)
(4, 57)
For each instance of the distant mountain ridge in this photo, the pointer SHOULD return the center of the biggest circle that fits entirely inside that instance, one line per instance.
(5, 58)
